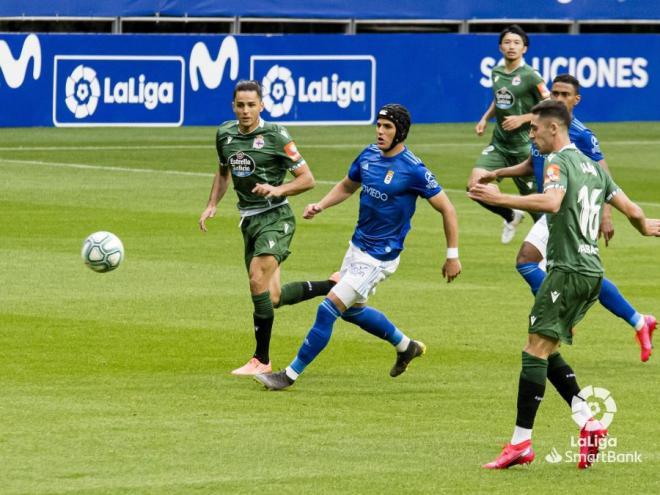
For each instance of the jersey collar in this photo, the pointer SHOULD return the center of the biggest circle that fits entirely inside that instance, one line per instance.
(262, 122)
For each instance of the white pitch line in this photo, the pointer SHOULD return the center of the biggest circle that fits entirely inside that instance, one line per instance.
(104, 168)
(302, 146)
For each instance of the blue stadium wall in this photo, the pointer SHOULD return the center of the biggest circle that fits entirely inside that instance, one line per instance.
(93, 80)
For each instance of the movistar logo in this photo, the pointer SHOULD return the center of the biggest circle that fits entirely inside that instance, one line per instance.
(213, 70)
(14, 70)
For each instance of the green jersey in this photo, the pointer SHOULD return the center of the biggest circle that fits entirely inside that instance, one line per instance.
(573, 241)
(261, 156)
(515, 94)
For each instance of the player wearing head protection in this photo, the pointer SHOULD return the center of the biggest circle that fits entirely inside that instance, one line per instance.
(390, 179)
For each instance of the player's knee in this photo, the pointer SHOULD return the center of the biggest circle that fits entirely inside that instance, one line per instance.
(528, 254)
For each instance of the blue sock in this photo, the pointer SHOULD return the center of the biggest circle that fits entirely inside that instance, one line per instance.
(611, 298)
(532, 274)
(318, 336)
(373, 321)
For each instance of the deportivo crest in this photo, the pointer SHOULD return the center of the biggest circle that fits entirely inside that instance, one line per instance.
(504, 99)
(388, 176)
(258, 142)
(516, 81)
(242, 164)
(552, 173)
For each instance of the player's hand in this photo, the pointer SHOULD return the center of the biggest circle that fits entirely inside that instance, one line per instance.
(311, 210)
(267, 191)
(480, 128)
(512, 122)
(488, 193)
(606, 229)
(451, 269)
(487, 177)
(652, 227)
(209, 212)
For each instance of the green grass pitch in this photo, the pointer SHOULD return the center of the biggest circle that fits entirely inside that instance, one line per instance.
(119, 383)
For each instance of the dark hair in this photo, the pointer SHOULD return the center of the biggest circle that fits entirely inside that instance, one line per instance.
(400, 117)
(247, 85)
(515, 29)
(568, 79)
(553, 109)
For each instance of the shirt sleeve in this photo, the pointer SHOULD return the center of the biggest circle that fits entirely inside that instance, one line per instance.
(539, 89)
(355, 170)
(589, 145)
(218, 149)
(287, 150)
(424, 182)
(554, 176)
(611, 188)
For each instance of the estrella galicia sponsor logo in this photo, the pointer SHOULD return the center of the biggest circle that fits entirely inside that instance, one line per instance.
(504, 99)
(242, 164)
(118, 90)
(311, 89)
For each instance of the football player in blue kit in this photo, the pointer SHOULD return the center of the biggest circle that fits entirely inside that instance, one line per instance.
(390, 179)
(530, 261)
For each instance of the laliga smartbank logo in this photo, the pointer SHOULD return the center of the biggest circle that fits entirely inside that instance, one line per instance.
(601, 407)
(312, 89)
(118, 90)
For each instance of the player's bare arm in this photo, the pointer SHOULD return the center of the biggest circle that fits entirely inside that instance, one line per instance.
(452, 266)
(480, 128)
(513, 122)
(635, 214)
(218, 190)
(523, 169)
(303, 181)
(606, 225)
(340, 192)
(548, 202)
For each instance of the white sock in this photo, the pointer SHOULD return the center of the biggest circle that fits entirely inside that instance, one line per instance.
(290, 373)
(583, 414)
(520, 435)
(640, 323)
(403, 345)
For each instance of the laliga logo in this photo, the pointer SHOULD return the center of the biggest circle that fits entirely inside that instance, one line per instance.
(14, 70)
(212, 70)
(278, 91)
(82, 92)
(600, 402)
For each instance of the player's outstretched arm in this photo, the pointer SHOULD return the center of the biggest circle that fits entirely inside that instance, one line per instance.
(340, 192)
(218, 190)
(522, 169)
(646, 226)
(452, 266)
(548, 202)
(303, 181)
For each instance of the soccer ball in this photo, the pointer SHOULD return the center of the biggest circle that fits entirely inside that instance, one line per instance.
(102, 251)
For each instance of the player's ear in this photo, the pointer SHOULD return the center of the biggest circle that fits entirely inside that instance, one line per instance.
(577, 99)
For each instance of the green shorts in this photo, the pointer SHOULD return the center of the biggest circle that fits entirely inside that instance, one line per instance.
(495, 156)
(561, 302)
(268, 233)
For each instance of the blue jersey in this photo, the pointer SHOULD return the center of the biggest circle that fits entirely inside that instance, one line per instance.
(584, 140)
(390, 187)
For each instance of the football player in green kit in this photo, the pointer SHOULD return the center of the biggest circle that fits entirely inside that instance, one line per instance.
(255, 156)
(575, 189)
(517, 87)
